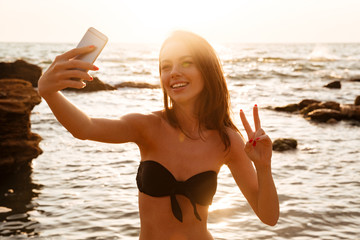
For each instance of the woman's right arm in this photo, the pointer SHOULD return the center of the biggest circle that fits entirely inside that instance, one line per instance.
(81, 126)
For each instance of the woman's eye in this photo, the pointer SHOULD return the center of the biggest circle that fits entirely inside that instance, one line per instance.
(186, 64)
(165, 67)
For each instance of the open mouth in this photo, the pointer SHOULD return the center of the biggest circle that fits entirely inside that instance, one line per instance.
(179, 85)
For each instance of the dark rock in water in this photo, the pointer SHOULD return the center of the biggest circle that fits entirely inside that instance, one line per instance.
(93, 86)
(288, 108)
(283, 144)
(355, 79)
(350, 111)
(357, 101)
(21, 70)
(334, 84)
(329, 112)
(18, 145)
(321, 105)
(136, 85)
(306, 102)
(324, 114)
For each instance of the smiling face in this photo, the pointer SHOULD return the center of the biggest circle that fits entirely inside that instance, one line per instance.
(180, 77)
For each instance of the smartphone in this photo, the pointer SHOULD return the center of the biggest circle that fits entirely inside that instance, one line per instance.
(92, 37)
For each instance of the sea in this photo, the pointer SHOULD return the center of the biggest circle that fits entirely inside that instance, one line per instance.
(87, 190)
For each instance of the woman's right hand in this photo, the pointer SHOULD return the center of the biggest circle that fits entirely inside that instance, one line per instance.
(64, 68)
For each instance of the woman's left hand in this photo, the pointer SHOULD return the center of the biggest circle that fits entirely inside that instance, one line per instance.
(259, 146)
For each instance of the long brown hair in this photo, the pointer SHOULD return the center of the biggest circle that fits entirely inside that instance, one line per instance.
(213, 103)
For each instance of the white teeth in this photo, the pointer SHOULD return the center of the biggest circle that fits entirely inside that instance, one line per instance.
(178, 85)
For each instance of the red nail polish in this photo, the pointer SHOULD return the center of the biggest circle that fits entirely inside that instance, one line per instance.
(91, 78)
(257, 139)
(254, 144)
(95, 68)
(91, 46)
(241, 110)
(250, 141)
(255, 105)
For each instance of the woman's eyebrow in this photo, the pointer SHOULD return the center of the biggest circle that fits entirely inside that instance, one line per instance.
(180, 58)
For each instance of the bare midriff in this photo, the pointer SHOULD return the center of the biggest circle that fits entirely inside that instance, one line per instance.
(158, 221)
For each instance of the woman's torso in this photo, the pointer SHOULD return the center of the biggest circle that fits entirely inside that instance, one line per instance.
(183, 158)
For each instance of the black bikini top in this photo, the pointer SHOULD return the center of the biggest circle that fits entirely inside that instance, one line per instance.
(155, 180)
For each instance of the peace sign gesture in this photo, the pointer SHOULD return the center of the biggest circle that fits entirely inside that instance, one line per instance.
(259, 146)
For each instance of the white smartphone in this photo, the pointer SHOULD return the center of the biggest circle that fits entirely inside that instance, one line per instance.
(92, 37)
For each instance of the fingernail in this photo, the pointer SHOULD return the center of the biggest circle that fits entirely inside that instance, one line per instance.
(250, 141)
(254, 144)
(91, 46)
(257, 139)
(255, 105)
(241, 110)
(91, 78)
(95, 68)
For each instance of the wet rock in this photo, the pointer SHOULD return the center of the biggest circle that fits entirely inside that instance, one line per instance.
(18, 145)
(19, 216)
(93, 86)
(357, 101)
(20, 69)
(355, 79)
(288, 108)
(137, 85)
(334, 84)
(321, 105)
(350, 111)
(323, 115)
(306, 102)
(284, 144)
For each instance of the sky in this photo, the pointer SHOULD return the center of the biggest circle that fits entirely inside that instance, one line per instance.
(141, 21)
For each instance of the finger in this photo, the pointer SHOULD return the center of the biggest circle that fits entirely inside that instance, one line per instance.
(264, 137)
(78, 64)
(75, 73)
(259, 133)
(76, 51)
(248, 147)
(256, 118)
(246, 124)
(74, 84)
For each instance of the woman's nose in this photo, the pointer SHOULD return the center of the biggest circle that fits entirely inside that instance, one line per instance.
(175, 71)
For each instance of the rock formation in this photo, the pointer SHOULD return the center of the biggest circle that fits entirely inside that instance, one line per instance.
(21, 70)
(323, 111)
(18, 145)
(284, 144)
(92, 86)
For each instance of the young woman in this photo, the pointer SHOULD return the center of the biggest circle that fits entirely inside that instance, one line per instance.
(183, 146)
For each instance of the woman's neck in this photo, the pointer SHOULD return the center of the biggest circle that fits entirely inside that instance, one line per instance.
(188, 121)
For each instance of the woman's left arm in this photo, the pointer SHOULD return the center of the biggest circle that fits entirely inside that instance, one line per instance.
(257, 183)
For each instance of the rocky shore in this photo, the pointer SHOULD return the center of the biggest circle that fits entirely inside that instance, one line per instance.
(18, 145)
(327, 112)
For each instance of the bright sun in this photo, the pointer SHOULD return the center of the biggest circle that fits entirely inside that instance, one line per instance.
(162, 16)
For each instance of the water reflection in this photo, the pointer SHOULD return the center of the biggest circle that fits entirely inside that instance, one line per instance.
(17, 192)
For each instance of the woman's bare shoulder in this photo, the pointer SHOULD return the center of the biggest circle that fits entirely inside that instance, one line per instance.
(143, 119)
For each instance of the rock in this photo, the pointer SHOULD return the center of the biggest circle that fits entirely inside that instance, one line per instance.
(21, 70)
(334, 84)
(357, 101)
(288, 108)
(93, 86)
(18, 145)
(306, 102)
(350, 111)
(355, 79)
(324, 114)
(136, 85)
(283, 144)
(321, 105)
